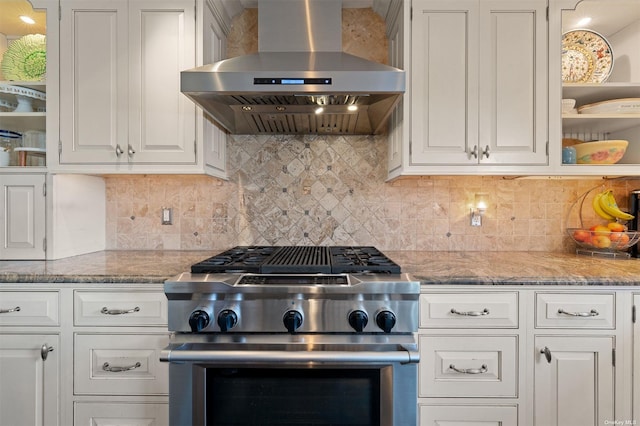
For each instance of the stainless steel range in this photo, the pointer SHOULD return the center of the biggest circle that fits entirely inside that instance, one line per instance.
(301, 335)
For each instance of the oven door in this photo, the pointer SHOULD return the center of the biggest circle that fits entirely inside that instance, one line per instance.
(257, 384)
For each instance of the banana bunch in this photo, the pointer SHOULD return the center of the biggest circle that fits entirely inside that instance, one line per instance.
(605, 206)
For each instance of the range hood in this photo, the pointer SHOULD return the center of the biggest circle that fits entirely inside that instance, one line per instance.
(299, 81)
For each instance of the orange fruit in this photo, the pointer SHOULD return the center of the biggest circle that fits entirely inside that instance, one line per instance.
(581, 235)
(600, 230)
(620, 238)
(601, 241)
(616, 227)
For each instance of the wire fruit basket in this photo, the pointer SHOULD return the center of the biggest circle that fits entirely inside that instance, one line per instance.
(609, 238)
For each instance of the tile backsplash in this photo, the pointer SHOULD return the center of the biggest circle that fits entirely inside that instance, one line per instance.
(304, 190)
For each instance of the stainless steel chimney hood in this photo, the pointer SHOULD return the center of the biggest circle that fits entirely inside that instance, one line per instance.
(299, 81)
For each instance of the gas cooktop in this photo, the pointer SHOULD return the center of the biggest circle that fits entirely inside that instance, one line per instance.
(298, 260)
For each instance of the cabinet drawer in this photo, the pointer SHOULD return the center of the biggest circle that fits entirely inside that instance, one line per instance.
(108, 414)
(29, 308)
(143, 308)
(469, 310)
(433, 415)
(120, 364)
(572, 310)
(468, 366)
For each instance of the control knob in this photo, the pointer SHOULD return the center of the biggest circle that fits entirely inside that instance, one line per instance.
(386, 320)
(358, 320)
(198, 320)
(227, 319)
(292, 320)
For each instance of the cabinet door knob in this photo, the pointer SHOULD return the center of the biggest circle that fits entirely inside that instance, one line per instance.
(547, 354)
(131, 151)
(119, 150)
(485, 152)
(44, 351)
(474, 152)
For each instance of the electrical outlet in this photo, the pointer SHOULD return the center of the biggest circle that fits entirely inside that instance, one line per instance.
(167, 216)
(476, 220)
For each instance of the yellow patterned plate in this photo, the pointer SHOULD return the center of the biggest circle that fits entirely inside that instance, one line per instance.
(586, 57)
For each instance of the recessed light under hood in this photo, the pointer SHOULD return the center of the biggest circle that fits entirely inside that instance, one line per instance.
(299, 81)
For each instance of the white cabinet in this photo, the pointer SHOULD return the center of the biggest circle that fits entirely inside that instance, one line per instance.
(528, 355)
(636, 359)
(23, 216)
(470, 357)
(478, 86)
(130, 414)
(574, 380)
(29, 385)
(120, 100)
(29, 358)
(117, 374)
(213, 50)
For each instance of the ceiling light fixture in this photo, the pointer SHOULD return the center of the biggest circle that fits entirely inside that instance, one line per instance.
(27, 20)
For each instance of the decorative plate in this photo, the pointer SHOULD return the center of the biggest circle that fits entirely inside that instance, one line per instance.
(613, 106)
(26, 59)
(586, 57)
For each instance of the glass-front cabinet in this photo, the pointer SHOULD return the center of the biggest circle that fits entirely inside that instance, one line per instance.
(23, 89)
(599, 66)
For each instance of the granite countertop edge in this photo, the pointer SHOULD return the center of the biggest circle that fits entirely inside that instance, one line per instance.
(430, 268)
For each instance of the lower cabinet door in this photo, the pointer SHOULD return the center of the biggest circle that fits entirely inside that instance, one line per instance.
(29, 379)
(574, 381)
(465, 415)
(121, 414)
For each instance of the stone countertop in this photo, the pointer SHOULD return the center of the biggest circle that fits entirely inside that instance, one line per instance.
(517, 268)
(431, 268)
(136, 267)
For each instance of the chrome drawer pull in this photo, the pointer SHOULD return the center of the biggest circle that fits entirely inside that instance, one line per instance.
(485, 311)
(107, 367)
(8, 311)
(107, 311)
(592, 313)
(482, 369)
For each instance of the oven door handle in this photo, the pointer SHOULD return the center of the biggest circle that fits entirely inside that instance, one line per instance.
(178, 355)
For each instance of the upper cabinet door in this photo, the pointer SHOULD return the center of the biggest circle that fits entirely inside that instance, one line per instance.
(444, 81)
(161, 44)
(93, 81)
(513, 76)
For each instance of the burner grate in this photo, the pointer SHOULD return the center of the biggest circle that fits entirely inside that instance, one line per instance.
(298, 260)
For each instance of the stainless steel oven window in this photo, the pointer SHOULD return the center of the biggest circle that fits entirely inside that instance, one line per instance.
(391, 389)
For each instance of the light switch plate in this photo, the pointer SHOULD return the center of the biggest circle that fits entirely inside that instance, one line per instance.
(167, 216)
